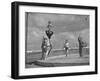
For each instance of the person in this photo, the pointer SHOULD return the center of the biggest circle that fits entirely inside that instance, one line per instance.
(49, 26)
(81, 43)
(49, 47)
(66, 47)
(46, 48)
(48, 32)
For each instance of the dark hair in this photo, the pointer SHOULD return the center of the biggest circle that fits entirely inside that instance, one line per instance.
(49, 22)
(66, 40)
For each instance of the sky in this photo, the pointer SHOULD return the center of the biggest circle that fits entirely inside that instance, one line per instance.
(66, 26)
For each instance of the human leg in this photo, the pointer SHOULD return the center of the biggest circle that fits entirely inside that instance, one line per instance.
(80, 51)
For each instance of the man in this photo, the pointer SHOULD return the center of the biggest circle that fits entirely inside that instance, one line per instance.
(66, 47)
(80, 45)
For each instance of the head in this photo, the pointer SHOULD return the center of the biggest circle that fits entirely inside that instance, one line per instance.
(49, 22)
(66, 41)
(80, 37)
(45, 39)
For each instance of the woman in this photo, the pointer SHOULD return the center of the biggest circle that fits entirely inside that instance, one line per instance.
(46, 48)
(48, 32)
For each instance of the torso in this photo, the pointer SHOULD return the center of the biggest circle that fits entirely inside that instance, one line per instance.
(49, 33)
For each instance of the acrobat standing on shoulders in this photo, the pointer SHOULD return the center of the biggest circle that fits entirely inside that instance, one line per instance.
(49, 33)
(46, 43)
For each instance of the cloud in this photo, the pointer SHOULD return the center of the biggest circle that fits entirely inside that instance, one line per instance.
(57, 40)
(62, 22)
(66, 27)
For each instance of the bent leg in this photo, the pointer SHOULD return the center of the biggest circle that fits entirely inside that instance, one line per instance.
(49, 50)
(43, 54)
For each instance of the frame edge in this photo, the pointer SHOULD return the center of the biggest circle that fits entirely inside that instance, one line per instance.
(15, 40)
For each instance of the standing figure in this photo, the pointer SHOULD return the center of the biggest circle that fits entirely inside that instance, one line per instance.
(49, 33)
(80, 45)
(66, 47)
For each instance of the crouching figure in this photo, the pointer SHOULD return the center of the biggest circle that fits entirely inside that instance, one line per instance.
(46, 48)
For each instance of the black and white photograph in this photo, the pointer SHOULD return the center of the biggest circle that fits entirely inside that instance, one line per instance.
(51, 40)
(54, 40)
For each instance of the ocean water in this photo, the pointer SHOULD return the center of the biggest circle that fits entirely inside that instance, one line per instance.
(33, 56)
